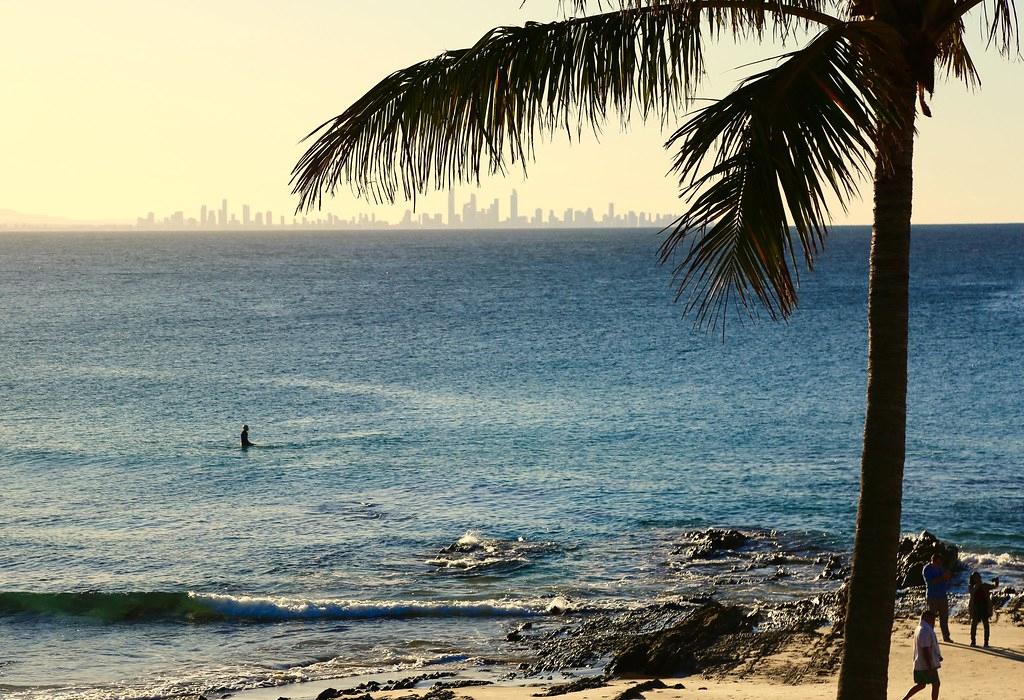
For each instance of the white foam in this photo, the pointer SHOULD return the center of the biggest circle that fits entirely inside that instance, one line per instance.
(470, 539)
(975, 560)
(473, 562)
(275, 608)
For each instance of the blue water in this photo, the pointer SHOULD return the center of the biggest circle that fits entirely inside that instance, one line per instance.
(537, 390)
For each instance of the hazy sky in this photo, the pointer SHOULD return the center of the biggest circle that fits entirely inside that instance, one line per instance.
(113, 108)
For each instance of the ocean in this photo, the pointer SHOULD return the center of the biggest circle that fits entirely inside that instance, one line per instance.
(457, 431)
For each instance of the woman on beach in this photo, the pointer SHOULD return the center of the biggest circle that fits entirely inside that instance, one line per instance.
(980, 606)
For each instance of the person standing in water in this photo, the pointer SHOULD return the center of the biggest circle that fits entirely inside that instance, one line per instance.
(245, 437)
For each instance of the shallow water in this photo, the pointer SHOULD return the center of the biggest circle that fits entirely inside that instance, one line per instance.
(536, 392)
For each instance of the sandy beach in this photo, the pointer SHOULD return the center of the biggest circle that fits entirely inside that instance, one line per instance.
(967, 674)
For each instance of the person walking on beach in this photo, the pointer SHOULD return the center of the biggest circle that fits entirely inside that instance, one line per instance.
(980, 606)
(936, 580)
(245, 437)
(926, 656)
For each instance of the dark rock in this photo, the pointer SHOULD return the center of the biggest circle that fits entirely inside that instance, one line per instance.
(677, 650)
(574, 686)
(916, 551)
(514, 636)
(461, 684)
(835, 569)
(526, 626)
(704, 544)
(439, 694)
(400, 684)
(329, 694)
(638, 690)
(601, 636)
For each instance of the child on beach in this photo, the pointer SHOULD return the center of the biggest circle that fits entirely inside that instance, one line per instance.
(926, 656)
(980, 606)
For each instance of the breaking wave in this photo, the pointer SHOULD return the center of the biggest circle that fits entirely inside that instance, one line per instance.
(211, 607)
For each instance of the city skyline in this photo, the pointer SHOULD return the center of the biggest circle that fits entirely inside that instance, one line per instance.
(470, 215)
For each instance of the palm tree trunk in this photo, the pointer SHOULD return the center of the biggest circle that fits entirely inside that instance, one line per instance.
(869, 613)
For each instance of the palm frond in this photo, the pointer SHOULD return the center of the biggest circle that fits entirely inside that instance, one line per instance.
(955, 59)
(1000, 24)
(447, 119)
(1003, 29)
(778, 147)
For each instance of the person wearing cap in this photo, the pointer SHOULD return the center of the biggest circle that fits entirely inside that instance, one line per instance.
(926, 656)
(936, 579)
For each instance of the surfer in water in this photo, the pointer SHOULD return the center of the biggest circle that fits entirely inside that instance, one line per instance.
(245, 437)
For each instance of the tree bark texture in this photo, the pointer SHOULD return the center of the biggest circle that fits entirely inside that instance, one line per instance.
(869, 615)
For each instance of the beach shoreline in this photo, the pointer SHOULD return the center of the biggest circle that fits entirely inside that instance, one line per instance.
(967, 674)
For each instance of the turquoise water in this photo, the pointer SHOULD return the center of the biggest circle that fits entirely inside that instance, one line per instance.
(534, 395)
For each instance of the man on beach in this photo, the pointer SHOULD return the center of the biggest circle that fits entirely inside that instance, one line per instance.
(926, 657)
(936, 580)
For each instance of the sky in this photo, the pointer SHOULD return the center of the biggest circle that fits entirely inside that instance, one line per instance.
(115, 108)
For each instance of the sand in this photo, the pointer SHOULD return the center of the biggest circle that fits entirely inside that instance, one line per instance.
(967, 674)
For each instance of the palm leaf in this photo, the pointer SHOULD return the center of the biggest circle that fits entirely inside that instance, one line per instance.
(1000, 24)
(954, 57)
(1003, 30)
(449, 118)
(785, 141)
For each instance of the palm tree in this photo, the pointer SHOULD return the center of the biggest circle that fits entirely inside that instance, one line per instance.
(757, 170)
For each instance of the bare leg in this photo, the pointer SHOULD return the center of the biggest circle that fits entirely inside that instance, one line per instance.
(935, 690)
(913, 691)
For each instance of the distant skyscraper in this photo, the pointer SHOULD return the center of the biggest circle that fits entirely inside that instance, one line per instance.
(469, 211)
(245, 215)
(202, 216)
(513, 207)
(223, 221)
(451, 207)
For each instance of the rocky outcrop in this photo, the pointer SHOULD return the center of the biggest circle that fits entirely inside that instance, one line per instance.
(704, 544)
(916, 551)
(678, 650)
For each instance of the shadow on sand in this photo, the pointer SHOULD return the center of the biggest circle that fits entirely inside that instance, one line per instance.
(991, 651)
